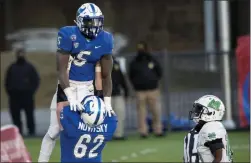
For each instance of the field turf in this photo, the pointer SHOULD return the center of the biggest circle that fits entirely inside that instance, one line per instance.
(168, 149)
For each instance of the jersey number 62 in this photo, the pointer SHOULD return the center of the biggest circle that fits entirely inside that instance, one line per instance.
(80, 149)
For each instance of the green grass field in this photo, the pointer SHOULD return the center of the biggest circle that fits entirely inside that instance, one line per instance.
(168, 149)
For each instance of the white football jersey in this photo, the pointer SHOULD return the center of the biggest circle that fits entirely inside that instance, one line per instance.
(212, 131)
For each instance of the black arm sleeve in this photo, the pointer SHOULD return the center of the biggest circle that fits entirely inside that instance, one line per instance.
(214, 145)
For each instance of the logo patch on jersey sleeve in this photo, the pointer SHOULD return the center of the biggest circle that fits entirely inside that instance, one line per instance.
(76, 44)
(73, 37)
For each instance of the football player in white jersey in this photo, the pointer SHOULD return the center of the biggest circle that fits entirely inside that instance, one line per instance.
(213, 142)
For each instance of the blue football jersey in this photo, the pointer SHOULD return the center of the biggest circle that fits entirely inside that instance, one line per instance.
(80, 142)
(85, 52)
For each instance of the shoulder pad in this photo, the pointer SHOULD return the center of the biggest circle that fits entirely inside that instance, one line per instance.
(67, 30)
(213, 130)
(108, 37)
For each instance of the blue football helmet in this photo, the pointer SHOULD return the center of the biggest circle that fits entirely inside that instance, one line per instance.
(90, 20)
(94, 111)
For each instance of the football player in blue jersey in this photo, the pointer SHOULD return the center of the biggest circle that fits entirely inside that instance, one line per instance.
(84, 134)
(82, 49)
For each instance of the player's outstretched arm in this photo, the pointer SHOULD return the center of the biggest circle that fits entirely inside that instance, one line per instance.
(62, 65)
(98, 77)
(106, 66)
(218, 156)
(63, 58)
(215, 146)
(64, 47)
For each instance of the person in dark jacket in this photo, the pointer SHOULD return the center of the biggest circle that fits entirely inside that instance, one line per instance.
(145, 74)
(21, 83)
(118, 98)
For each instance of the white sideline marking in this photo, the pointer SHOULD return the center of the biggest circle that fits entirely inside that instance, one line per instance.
(153, 150)
(136, 154)
(123, 158)
(240, 147)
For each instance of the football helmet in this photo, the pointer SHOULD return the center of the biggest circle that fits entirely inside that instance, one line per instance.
(94, 111)
(207, 108)
(89, 20)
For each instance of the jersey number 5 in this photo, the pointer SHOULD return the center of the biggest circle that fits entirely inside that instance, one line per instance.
(79, 60)
(80, 149)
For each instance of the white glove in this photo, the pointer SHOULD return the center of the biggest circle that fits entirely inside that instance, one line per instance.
(74, 103)
(108, 106)
(109, 111)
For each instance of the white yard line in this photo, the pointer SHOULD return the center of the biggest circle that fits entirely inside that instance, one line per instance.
(240, 147)
(146, 151)
(136, 154)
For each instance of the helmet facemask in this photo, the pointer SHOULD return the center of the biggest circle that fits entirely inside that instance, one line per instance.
(196, 112)
(200, 113)
(90, 26)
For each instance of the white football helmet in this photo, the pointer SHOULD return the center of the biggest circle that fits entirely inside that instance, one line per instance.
(94, 111)
(89, 20)
(207, 108)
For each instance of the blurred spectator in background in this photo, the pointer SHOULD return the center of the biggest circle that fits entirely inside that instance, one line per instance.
(118, 99)
(21, 83)
(145, 74)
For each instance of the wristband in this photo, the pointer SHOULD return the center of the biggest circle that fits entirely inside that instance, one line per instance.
(99, 93)
(107, 101)
(98, 69)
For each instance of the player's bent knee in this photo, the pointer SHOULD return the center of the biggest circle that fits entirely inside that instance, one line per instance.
(61, 105)
(53, 132)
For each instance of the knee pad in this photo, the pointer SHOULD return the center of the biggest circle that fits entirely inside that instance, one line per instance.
(54, 132)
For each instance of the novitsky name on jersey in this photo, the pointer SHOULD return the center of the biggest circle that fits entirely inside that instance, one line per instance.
(81, 143)
(85, 52)
(99, 129)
